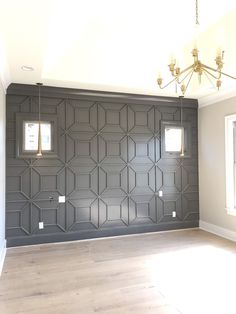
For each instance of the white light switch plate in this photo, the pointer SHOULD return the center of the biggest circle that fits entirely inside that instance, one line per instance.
(41, 225)
(173, 214)
(61, 199)
(160, 193)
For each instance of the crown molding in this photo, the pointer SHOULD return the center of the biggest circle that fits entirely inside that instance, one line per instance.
(216, 97)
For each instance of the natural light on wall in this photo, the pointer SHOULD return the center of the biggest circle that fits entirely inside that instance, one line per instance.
(230, 166)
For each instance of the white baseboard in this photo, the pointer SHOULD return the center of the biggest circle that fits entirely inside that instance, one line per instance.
(222, 232)
(3, 251)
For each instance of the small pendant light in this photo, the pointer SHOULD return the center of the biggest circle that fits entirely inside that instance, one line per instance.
(39, 151)
(182, 127)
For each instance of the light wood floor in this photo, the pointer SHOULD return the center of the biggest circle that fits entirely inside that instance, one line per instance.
(187, 271)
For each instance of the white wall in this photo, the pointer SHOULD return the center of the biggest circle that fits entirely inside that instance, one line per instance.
(212, 168)
(2, 175)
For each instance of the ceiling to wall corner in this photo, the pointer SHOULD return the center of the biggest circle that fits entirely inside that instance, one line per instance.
(113, 45)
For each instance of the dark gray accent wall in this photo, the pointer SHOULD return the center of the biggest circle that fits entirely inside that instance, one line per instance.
(109, 166)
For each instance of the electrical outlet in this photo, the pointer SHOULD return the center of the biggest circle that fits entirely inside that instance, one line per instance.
(41, 225)
(61, 199)
(173, 214)
(160, 193)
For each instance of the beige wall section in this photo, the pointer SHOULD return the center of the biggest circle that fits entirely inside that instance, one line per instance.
(2, 173)
(212, 163)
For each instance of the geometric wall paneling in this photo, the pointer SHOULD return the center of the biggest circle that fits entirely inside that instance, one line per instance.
(141, 148)
(52, 215)
(48, 105)
(112, 119)
(159, 178)
(112, 180)
(61, 145)
(190, 206)
(68, 147)
(143, 209)
(81, 116)
(84, 147)
(15, 104)
(141, 119)
(46, 182)
(189, 179)
(113, 212)
(36, 216)
(15, 184)
(112, 148)
(49, 217)
(157, 148)
(171, 202)
(171, 175)
(169, 113)
(159, 209)
(85, 182)
(61, 112)
(141, 179)
(158, 117)
(18, 220)
(70, 181)
(34, 182)
(82, 214)
(109, 167)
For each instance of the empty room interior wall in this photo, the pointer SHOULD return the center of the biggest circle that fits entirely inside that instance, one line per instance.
(212, 188)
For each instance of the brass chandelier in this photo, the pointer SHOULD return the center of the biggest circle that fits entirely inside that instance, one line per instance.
(182, 78)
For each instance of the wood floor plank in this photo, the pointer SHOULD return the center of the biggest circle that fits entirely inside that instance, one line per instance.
(149, 273)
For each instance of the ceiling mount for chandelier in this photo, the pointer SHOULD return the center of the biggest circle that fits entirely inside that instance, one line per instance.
(182, 78)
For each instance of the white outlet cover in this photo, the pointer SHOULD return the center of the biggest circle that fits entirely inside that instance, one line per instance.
(174, 214)
(41, 225)
(61, 199)
(160, 193)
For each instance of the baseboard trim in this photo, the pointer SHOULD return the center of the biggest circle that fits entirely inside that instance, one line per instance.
(82, 235)
(3, 251)
(222, 232)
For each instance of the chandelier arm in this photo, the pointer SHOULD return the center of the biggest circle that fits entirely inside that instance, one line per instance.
(208, 77)
(185, 70)
(212, 69)
(185, 76)
(163, 87)
(191, 75)
(230, 76)
(176, 78)
(216, 78)
(220, 72)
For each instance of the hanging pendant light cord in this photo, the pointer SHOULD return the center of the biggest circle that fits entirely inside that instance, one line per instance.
(39, 153)
(196, 11)
(182, 128)
(39, 104)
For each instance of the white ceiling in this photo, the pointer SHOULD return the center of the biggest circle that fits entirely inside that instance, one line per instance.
(113, 45)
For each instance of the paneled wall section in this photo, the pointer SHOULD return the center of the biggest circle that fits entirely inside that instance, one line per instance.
(109, 167)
